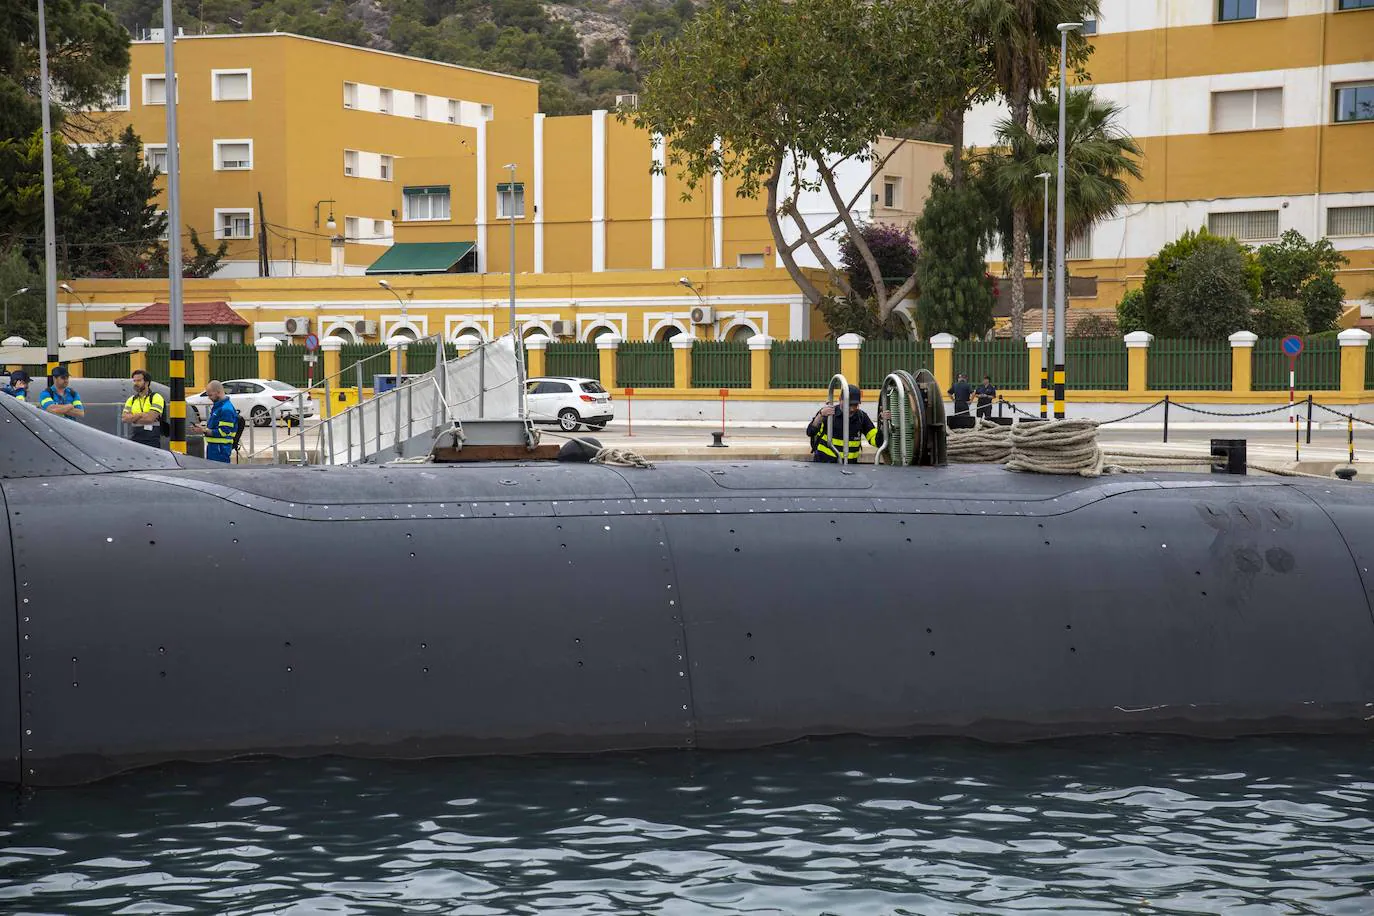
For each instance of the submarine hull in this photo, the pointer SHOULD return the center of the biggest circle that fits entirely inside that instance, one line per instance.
(183, 612)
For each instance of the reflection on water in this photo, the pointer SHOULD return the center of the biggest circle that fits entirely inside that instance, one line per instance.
(845, 827)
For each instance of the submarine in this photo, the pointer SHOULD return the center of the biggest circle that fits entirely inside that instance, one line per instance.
(158, 608)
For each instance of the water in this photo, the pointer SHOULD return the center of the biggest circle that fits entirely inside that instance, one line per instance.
(845, 827)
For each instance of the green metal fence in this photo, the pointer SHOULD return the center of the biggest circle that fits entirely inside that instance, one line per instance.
(720, 364)
(1318, 368)
(1096, 363)
(644, 364)
(878, 358)
(375, 359)
(291, 365)
(1189, 365)
(157, 362)
(1369, 371)
(421, 357)
(575, 359)
(1004, 361)
(231, 361)
(804, 363)
(115, 365)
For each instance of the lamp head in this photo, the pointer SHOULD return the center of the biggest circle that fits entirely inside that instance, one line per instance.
(65, 288)
(21, 290)
(329, 223)
(1044, 176)
(685, 282)
(383, 284)
(1070, 26)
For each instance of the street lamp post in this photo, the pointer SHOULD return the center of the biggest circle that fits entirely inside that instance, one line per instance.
(401, 363)
(1045, 301)
(176, 326)
(514, 330)
(329, 223)
(19, 292)
(49, 218)
(1059, 274)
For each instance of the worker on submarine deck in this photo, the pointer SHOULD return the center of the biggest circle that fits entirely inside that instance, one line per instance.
(827, 450)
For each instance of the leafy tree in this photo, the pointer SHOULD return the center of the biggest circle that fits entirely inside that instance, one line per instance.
(780, 94)
(1208, 293)
(1098, 158)
(954, 229)
(1164, 266)
(1278, 318)
(1296, 269)
(1130, 311)
(1023, 40)
(27, 311)
(21, 191)
(891, 247)
(860, 316)
(119, 226)
(1095, 325)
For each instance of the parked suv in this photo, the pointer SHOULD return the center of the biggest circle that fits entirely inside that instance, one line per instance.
(569, 402)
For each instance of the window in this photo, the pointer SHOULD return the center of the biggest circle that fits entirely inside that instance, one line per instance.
(1355, 103)
(231, 85)
(892, 193)
(1080, 246)
(166, 229)
(421, 107)
(751, 261)
(155, 156)
(1350, 221)
(384, 101)
(454, 110)
(1089, 27)
(1240, 10)
(1355, 5)
(233, 155)
(379, 230)
(488, 113)
(384, 168)
(233, 224)
(119, 99)
(1245, 225)
(506, 199)
(1247, 109)
(350, 95)
(351, 228)
(350, 162)
(426, 203)
(155, 89)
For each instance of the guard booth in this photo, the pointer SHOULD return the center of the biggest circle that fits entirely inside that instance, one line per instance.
(384, 383)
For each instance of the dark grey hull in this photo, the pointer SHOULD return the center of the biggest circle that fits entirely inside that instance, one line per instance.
(165, 612)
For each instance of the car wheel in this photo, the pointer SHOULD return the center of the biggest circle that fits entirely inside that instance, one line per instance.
(258, 416)
(596, 427)
(568, 420)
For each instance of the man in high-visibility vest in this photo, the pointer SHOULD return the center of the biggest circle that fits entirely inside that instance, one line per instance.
(143, 411)
(60, 398)
(221, 425)
(861, 427)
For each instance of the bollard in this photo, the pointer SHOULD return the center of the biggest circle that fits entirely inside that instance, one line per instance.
(716, 441)
(724, 393)
(1345, 473)
(629, 412)
(1309, 419)
(1350, 436)
(1166, 418)
(1233, 453)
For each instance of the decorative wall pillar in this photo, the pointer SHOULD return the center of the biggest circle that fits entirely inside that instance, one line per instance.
(200, 363)
(1037, 372)
(74, 365)
(1354, 353)
(607, 348)
(267, 356)
(398, 346)
(536, 355)
(138, 356)
(333, 368)
(850, 347)
(1138, 361)
(1242, 351)
(942, 347)
(682, 360)
(760, 362)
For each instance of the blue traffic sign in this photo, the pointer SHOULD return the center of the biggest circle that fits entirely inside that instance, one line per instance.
(1292, 345)
(312, 343)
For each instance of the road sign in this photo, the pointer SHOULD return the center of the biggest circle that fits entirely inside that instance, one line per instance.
(311, 359)
(312, 343)
(1292, 345)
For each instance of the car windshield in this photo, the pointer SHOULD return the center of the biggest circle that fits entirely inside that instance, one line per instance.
(280, 386)
(593, 388)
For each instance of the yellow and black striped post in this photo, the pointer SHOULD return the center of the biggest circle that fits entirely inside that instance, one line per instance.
(1059, 391)
(176, 410)
(1044, 393)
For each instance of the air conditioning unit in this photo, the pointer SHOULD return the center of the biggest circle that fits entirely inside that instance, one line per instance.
(564, 329)
(364, 327)
(628, 100)
(297, 327)
(703, 314)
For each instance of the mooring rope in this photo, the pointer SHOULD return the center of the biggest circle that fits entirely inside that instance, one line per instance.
(986, 443)
(609, 456)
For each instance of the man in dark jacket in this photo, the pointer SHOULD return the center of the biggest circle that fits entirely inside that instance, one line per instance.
(18, 386)
(861, 427)
(960, 392)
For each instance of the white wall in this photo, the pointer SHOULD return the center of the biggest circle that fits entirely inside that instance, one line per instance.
(1144, 15)
(817, 208)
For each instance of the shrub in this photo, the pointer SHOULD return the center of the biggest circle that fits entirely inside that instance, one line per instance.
(1207, 294)
(893, 249)
(1130, 311)
(1294, 268)
(1278, 318)
(1095, 325)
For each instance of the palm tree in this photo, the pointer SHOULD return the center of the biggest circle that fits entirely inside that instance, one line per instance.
(1099, 157)
(1023, 40)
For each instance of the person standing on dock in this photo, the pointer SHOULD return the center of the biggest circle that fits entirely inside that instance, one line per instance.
(144, 410)
(18, 386)
(60, 397)
(985, 393)
(220, 428)
(961, 392)
(828, 450)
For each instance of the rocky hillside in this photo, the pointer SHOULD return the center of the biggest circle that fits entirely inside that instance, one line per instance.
(584, 52)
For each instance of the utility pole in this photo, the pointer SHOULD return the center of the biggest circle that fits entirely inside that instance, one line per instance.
(514, 329)
(49, 216)
(1045, 302)
(1059, 274)
(176, 361)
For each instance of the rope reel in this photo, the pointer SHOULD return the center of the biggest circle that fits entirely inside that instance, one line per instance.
(914, 434)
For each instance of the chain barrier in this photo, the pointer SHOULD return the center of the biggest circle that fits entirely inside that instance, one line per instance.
(1344, 416)
(1219, 413)
(1130, 416)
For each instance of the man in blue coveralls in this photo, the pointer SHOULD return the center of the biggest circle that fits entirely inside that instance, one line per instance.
(60, 397)
(219, 429)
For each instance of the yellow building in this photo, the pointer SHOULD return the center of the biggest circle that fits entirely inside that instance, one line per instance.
(1255, 117)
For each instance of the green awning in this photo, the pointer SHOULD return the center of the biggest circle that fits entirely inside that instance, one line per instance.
(421, 258)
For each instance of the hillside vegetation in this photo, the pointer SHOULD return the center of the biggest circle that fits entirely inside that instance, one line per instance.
(584, 52)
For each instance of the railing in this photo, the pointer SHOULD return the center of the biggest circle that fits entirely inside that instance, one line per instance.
(1179, 364)
(113, 365)
(720, 364)
(1004, 361)
(644, 364)
(804, 363)
(291, 364)
(158, 361)
(578, 360)
(1318, 368)
(1095, 363)
(880, 358)
(422, 358)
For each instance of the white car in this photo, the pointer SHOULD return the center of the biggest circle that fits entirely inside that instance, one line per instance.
(255, 398)
(569, 402)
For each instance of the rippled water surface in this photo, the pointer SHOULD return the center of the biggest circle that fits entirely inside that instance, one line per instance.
(844, 827)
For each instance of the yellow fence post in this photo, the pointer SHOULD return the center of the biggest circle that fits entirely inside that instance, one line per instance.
(1354, 352)
(267, 356)
(74, 362)
(942, 348)
(138, 353)
(1035, 371)
(1138, 361)
(331, 346)
(1242, 364)
(398, 347)
(200, 363)
(682, 360)
(760, 362)
(851, 345)
(607, 349)
(537, 354)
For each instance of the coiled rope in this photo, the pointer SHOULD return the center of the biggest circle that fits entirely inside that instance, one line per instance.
(609, 456)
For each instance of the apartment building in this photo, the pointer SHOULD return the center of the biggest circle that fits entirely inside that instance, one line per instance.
(1255, 117)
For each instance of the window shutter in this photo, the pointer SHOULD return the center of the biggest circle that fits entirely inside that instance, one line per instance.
(1350, 221)
(234, 155)
(1230, 225)
(1080, 246)
(233, 86)
(1268, 108)
(1272, 9)
(1232, 110)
